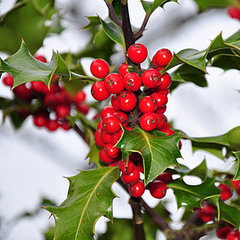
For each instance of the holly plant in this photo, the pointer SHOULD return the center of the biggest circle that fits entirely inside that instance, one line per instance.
(131, 141)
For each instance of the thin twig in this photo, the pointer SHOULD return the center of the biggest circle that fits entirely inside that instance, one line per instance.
(143, 26)
(81, 133)
(113, 14)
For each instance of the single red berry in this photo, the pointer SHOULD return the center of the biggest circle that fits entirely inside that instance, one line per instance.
(62, 111)
(116, 137)
(99, 91)
(233, 235)
(154, 64)
(111, 124)
(163, 57)
(40, 120)
(99, 68)
(135, 157)
(236, 184)
(106, 137)
(137, 189)
(234, 12)
(123, 69)
(65, 126)
(121, 116)
(151, 78)
(158, 189)
(112, 151)
(132, 82)
(206, 213)
(39, 87)
(165, 177)
(223, 232)
(132, 177)
(104, 157)
(148, 121)
(83, 108)
(8, 80)
(41, 58)
(137, 53)
(114, 83)
(52, 125)
(114, 102)
(125, 167)
(161, 99)
(107, 111)
(98, 139)
(226, 192)
(147, 104)
(162, 109)
(80, 96)
(23, 93)
(127, 101)
(165, 82)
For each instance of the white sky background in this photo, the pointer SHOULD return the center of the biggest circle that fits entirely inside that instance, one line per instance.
(33, 162)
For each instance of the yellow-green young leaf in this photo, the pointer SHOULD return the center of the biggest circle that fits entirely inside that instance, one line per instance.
(191, 196)
(24, 20)
(25, 68)
(89, 197)
(158, 152)
(237, 175)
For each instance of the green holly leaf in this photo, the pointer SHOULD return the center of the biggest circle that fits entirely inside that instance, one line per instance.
(150, 7)
(24, 20)
(158, 152)
(93, 26)
(206, 4)
(237, 175)
(199, 59)
(89, 197)
(227, 62)
(93, 155)
(191, 196)
(200, 171)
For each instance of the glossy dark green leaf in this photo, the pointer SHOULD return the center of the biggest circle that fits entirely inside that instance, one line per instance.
(93, 155)
(93, 26)
(206, 4)
(191, 196)
(200, 171)
(158, 152)
(6, 102)
(227, 62)
(89, 197)
(237, 175)
(23, 21)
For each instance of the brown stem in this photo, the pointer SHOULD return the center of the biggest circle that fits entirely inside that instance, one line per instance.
(137, 218)
(81, 133)
(143, 26)
(113, 14)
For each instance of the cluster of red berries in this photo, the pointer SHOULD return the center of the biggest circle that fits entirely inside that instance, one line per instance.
(138, 97)
(55, 104)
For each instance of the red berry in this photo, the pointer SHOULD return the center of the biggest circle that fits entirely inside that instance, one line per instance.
(131, 177)
(104, 157)
(137, 189)
(121, 116)
(151, 78)
(107, 112)
(163, 57)
(233, 235)
(223, 232)
(116, 137)
(99, 91)
(126, 168)
(137, 53)
(236, 184)
(162, 109)
(112, 151)
(65, 126)
(140, 166)
(114, 83)
(111, 124)
(52, 125)
(161, 99)
(41, 58)
(8, 80)
(160, 121)
(99, 126)
(106, 137)
(127, 101)
(234, 12)
(80, 96)
(123, 69)
(226, 192)
(114, 102)
(148, 121)
(50, 100)
(23, 93)
(62, 111)
(40, 120)
(132, 82)
(165, 82)
(99, 68)
(165, 177)
(147, 104)
(83, 108)
(98, 139)
(158, 189)
(206, 213)
(39, 86)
